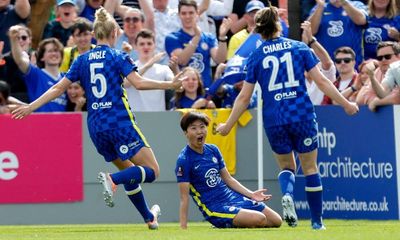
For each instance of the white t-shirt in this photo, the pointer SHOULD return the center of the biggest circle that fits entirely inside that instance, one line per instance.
(150, 100)
(392, 76)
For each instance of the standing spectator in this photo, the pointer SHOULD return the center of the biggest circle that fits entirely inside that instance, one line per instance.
(345, 65)
(326, 65)
(60, 27)
(11, 15)
(166, 21)
(200, 164)
(9, 70)
(81, 37)
(111, 124)
(87, 8)
(193, 94)
(383, 25)
(194, 48)
(238, 38)
(40, 78)
(149, 100)
(339, 23)
(289, 121)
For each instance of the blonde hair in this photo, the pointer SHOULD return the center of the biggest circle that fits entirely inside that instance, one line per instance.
(267, 22)
(104, 24)
(391, 9)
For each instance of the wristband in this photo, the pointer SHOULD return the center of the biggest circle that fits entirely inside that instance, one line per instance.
(353, 88)
(223, 39)
(313, 40)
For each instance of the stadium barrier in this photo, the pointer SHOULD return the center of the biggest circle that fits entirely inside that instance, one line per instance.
(41, 162)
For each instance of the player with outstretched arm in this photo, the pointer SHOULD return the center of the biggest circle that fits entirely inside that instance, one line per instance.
(201, 173)
(111, 124)
(278, 65)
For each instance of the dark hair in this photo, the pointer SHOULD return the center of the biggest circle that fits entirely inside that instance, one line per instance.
(394, 45)
(189, 3)
(267, 22)
(42, 48)
(4, 89)
(144, 33)
(192, 116)
(82, 25)
(200, 89)
(346, 50)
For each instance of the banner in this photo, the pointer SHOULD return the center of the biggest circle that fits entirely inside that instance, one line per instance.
(357, 163)
(41, 158)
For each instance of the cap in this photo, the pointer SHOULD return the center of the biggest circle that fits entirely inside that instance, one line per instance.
(61, 2)
(254, 5)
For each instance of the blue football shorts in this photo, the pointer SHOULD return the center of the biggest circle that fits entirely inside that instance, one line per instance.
(300, 137)
(222, 215)
(121, 143)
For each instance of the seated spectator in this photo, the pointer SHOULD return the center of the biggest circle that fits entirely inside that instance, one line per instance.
(195, 48)
(11, 15)
(40, 78)
(9, 70)
(359, 89)
(60, 27)
(383, 25)
(76, 101)
(345, 63)
(148, 100)
(81, 37)
(387, 53)
(193, 94)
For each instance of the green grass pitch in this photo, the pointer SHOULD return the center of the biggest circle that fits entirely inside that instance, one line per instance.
(336, 230)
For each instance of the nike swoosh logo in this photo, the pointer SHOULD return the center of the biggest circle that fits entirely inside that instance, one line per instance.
(196, 167)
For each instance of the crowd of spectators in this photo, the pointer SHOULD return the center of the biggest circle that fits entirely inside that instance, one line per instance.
(356, 42)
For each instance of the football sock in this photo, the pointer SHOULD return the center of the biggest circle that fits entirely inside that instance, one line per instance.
(286, 181)
(314, 196)
(135, 194)
(134, 174)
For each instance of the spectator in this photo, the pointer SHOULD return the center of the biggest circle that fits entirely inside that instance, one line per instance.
(60, 27)
(238, 38)
(40, 78)
(87, 8)
(387, 90)
(338, 22)
(387, 52)
(11, 15)
(76, 98)
(383, 25)
(5, 99)
(134, 21)
(81, 37)
(9, 70)
(149, 100)
(194, 48)
(345, 65)
(325, 65)
(166, 21)
(193, 94)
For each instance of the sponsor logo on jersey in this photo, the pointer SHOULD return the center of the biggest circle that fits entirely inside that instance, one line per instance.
(285, 95)
(123, 149)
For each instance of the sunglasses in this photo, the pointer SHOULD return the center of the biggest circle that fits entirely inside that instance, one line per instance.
(345, 60)
(23, 38)
(131, 19)
(386, 56)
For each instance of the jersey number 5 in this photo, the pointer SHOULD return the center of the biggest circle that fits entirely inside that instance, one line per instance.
(94, 77)
(287, 59)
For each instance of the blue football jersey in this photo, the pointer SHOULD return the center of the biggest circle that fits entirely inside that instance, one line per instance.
(278, 65)
(201, 58)
(101, 72)
(378, 31)
(336, 30)
(202, 172)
